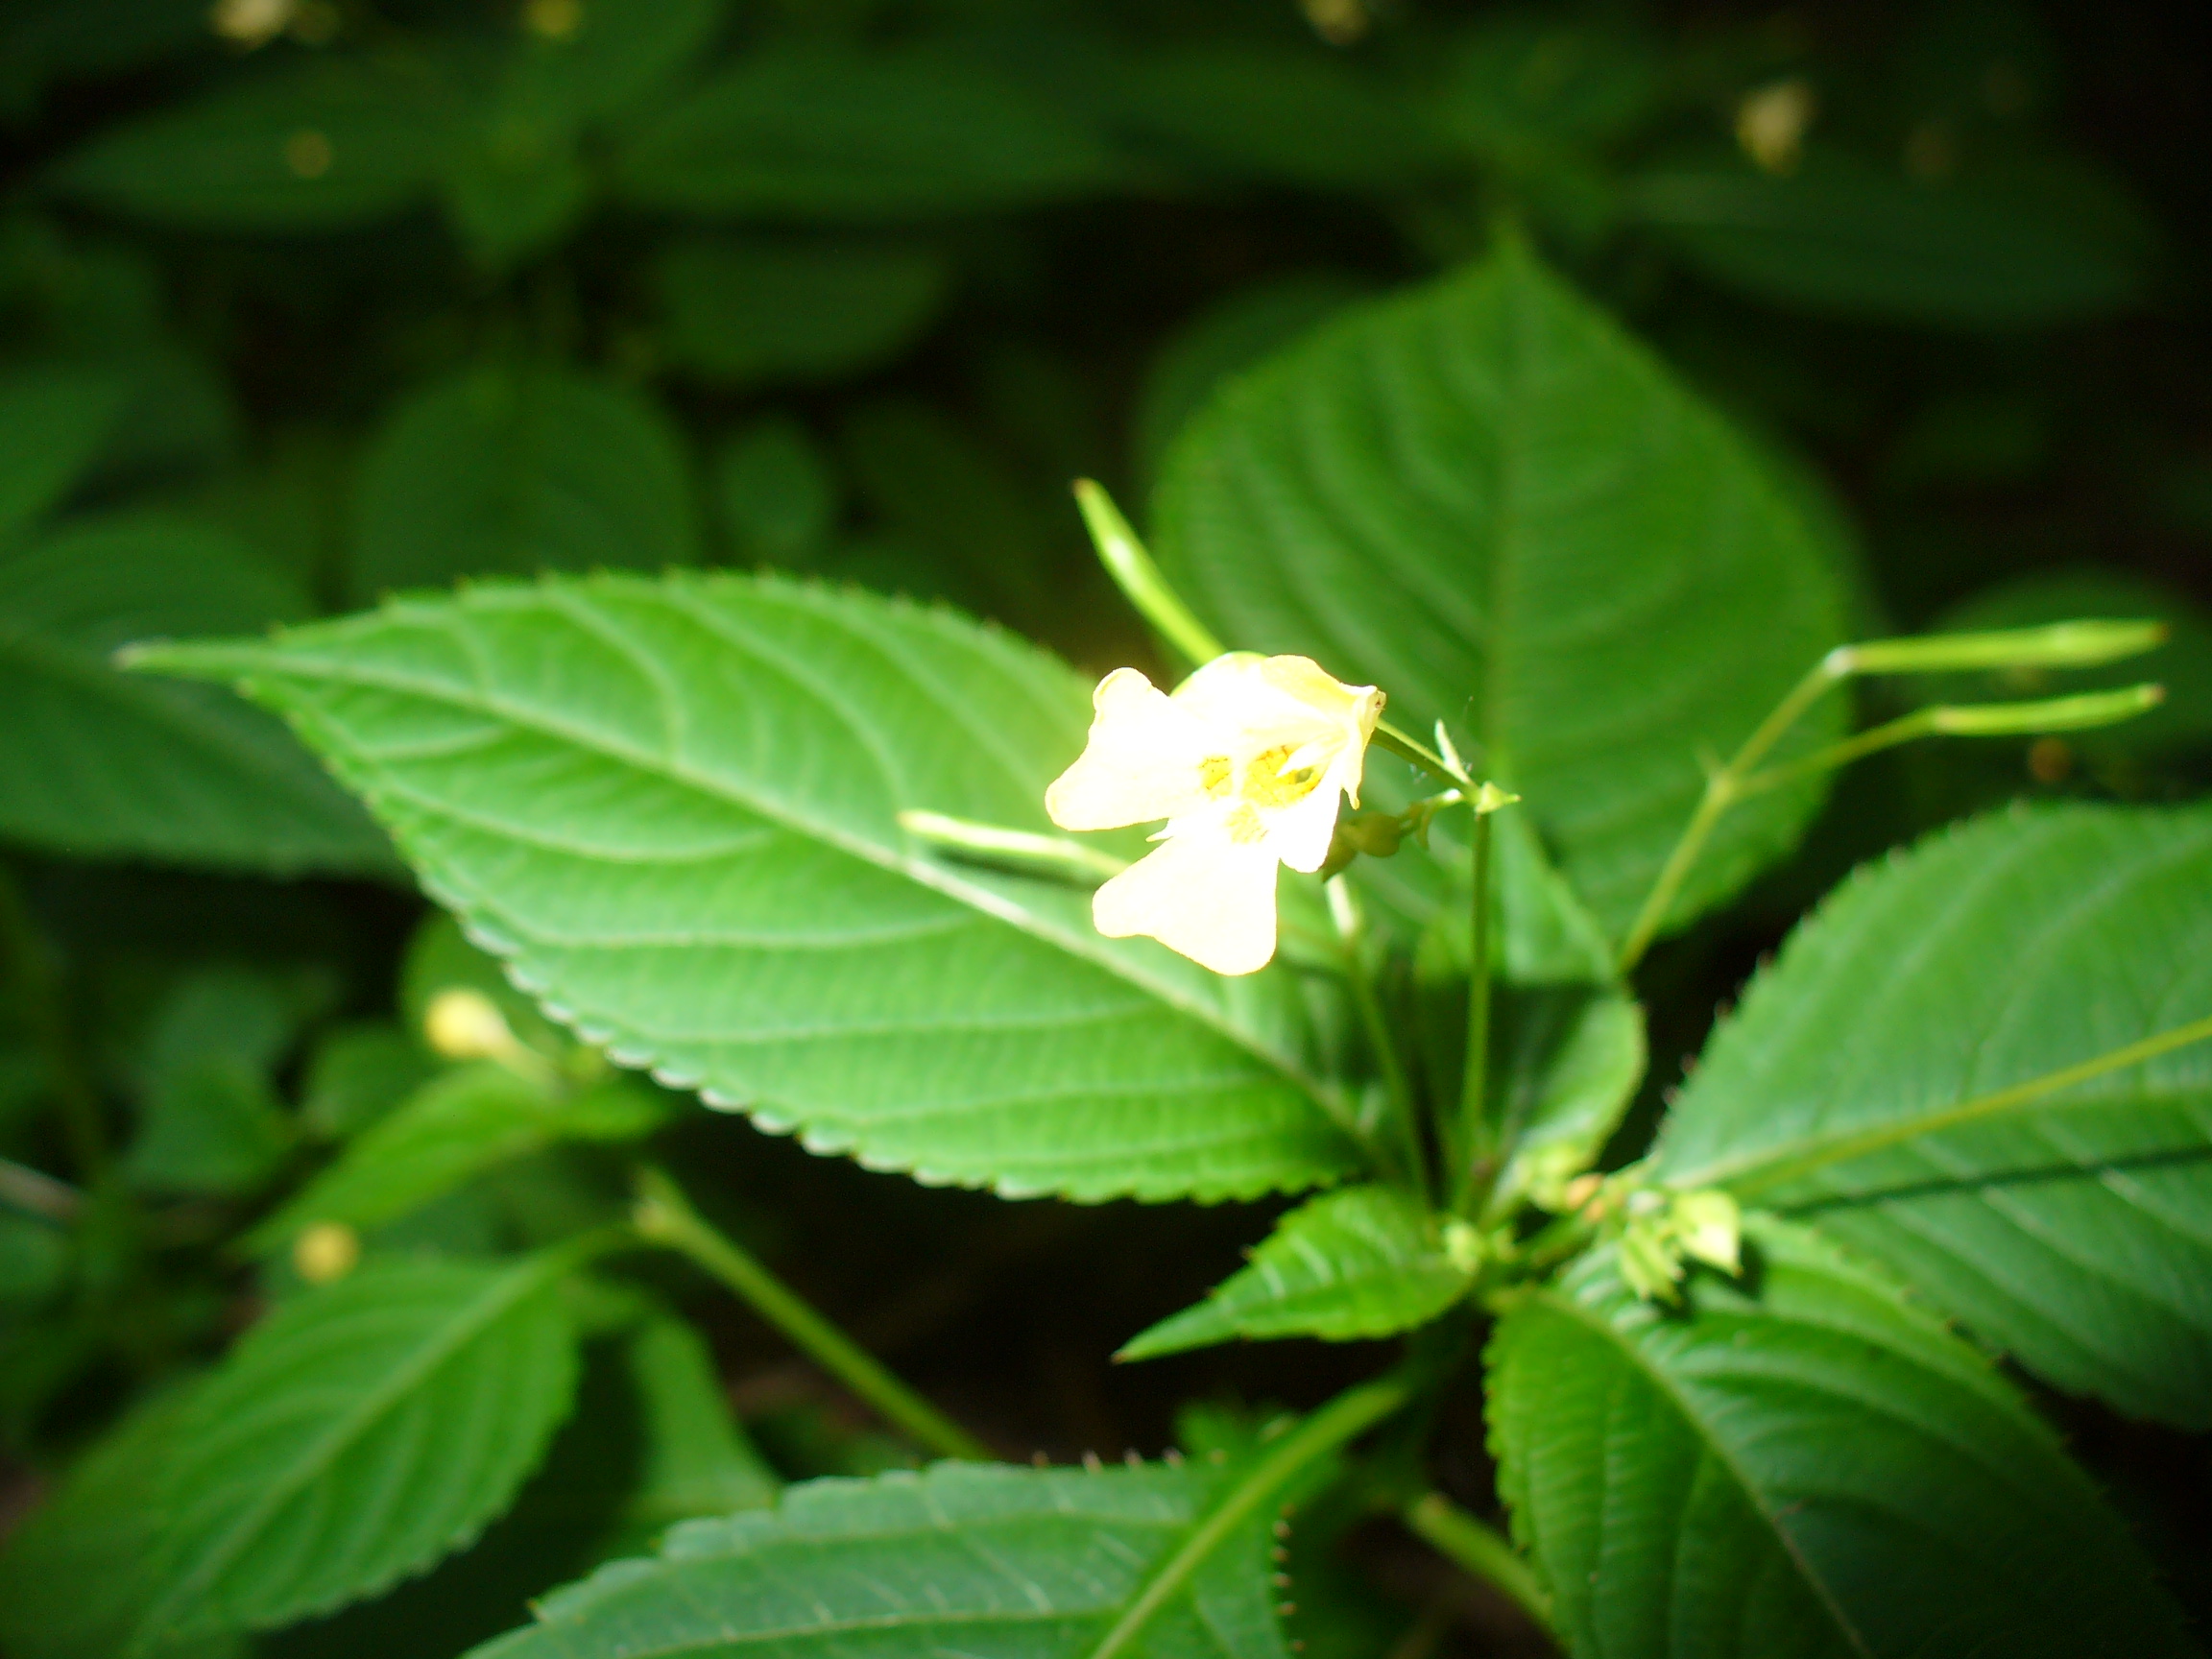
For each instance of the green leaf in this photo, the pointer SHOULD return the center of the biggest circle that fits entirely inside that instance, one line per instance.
(1295, 117)
(992, 1562)
(1366, 1262)
(813, 133)
(697, 1460)
(52, 425)
(765, 311)
(74, 1579)
(617, 55)
(353, 1437)
(98, 763)
(330, 144)
(2046, 243)
(777, 491)
(356, 1075)
(1483, 497)
(520, 470)
(451, 1129)
(1817, 1468)
(1223, 340)
(1566, 1063)
(213, 1121)
(2074, 1230)
(672, 806)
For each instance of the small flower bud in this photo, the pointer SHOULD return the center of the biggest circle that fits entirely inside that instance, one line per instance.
(464, 1025)
(327, 1251)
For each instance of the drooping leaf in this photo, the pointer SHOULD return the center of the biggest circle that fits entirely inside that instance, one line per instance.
(1366, 1262)
(94, 763)
(2048, 244)
(994, 1562)
(499, 470)
(1809, 1467)
(2074, 1231)
(768, 311)
(330, 144)
(455, 1127)
(813, 133)
(1483, 497)
(51, 424)
(672, 807)
(356, 1436)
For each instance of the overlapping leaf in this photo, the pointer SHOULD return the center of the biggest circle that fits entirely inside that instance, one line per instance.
(1366, 1262)
(97, 762)
(357, 1436)
(1813, 1468)
(1483, 497)
(996, 1563)
(518, 471)
(2074, 1228)
(816, 134)
(673, 807)
(454, 1127)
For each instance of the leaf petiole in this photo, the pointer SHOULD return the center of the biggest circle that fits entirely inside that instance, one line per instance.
(1480, 1551)
(663, 1216)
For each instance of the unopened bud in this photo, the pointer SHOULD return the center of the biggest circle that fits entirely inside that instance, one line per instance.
(327, 1251)
(464, 1025)
(2085, 644)
(1711, 1229)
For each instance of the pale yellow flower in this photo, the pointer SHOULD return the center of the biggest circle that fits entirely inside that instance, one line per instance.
(1247, 761)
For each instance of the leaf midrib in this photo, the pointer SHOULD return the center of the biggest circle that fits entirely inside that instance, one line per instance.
(254, 662)
(1590, 1319)
(498, 1298)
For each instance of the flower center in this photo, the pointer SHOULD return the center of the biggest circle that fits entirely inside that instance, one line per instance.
(1267, 785)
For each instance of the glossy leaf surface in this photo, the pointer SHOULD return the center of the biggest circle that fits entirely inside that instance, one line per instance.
(672, 806)
(1483, 497)
(2075, 1231)
(1814, 1467)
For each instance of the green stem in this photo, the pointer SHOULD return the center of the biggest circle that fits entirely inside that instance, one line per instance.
(35, 1193)
(1364, 997)
(1350, 1415)
(1480, 1551)
(663, 1216)
(1407, 747)
(1748, 1176)
(23, 961)
(1722, 789)
(1475, 1141)
(1140, 579)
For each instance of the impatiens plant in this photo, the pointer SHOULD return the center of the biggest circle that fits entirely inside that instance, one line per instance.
(1490, 657)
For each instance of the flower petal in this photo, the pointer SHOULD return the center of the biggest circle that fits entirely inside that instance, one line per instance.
(1141, 763)
(1299, 833)
(1202, 894)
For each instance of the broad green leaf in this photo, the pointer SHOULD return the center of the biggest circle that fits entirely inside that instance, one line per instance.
(1295, 117)
(353, 1437)
(74, 1578)
(2049, 244)
(51, 424)
(763, 311)
(672, 807)
(517, 187)
(94, 763)
(1813, 1468)
(1483, 497)
(330, 144)
(455, 1127)
(517, 472)
(1223, 340)
(616, 55)
(356, 1075)
(2074, 1230)
(211, 1119)
(697, 1460)
(977, 1559)
(813, 133)
(1366, 1262)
